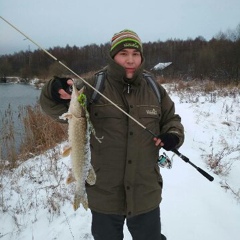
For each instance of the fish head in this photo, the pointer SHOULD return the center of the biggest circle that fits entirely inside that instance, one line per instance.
(75, 108)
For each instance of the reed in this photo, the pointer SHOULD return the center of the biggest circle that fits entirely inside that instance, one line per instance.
(40, 133)
(7, 139)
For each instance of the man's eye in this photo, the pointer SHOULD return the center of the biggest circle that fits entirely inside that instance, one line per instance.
(137, 54)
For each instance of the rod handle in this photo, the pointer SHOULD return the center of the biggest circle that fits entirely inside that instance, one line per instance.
(205, 174)
(186, 159)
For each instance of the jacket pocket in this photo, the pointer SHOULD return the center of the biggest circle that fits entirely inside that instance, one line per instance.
(109, 122)
(150, 116)
(105, 111)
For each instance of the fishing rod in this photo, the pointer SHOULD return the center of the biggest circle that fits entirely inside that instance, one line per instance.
(184, 158)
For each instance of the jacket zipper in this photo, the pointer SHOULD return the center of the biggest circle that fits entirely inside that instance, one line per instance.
(128, 88)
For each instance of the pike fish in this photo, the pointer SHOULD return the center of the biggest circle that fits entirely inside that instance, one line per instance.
(79, 131)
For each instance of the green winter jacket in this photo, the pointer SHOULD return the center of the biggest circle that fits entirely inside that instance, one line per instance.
(128, 177)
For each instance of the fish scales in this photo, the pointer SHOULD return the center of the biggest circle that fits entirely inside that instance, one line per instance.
(79, 131)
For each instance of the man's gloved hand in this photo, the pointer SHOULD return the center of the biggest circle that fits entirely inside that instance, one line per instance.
(169, 140)
(61, 89)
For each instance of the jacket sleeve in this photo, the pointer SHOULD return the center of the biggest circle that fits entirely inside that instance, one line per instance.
(170, 121)
(49, 106)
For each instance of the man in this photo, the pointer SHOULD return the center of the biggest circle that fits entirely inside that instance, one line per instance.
(129, 183)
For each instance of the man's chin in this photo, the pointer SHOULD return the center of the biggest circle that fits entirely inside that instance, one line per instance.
(129, 75)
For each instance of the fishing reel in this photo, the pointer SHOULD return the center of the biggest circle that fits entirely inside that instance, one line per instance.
(164, 161)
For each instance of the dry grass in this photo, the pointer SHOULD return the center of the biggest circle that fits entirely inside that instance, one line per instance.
(41, 132)
(200, 85)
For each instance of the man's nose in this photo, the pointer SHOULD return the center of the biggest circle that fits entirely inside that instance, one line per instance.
(130, 59)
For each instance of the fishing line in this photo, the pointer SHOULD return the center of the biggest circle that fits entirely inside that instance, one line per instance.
(75, 74)
(205, 174)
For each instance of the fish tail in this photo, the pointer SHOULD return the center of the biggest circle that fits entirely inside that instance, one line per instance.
(80, 199)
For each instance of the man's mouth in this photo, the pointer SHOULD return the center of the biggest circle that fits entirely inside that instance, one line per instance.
(131, 70)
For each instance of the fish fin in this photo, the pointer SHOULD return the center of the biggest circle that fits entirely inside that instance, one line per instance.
(66, 116)
(91, 178)
(66, 151)
(70, 178)
(80, 199)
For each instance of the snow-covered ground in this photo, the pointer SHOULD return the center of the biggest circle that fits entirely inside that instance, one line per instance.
(35, 202)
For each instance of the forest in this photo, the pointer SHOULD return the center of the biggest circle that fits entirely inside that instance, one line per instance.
(217, 59)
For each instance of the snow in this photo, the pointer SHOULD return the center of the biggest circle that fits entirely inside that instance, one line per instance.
(161, 66)
(35, 202)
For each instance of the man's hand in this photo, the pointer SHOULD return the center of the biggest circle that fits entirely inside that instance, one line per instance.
(168, 141)
(66, 93)
(61, 89)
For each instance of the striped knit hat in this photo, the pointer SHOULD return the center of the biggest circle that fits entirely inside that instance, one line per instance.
(125, 39)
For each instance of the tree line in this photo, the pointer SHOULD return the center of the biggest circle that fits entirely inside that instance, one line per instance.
(216, 59)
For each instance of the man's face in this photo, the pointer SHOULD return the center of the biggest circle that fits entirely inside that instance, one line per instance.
(130, 59)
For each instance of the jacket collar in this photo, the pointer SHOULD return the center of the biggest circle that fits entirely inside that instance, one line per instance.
(116, 73)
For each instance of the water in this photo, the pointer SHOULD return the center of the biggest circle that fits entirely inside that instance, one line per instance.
(17, 96)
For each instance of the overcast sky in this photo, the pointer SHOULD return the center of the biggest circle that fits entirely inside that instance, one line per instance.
(53, 23)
